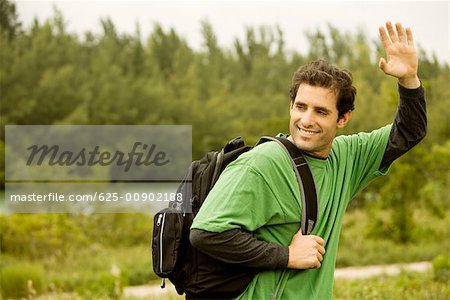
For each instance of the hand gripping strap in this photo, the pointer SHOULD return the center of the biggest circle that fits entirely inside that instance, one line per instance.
(307, 186)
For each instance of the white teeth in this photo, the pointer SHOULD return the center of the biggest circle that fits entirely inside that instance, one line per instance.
(307, 132)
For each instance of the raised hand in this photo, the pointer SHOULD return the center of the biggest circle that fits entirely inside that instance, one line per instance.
(402, 60)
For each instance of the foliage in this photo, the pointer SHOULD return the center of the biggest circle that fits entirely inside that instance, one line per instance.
(441, 268)
(21, 280)
(420, 180)
(115, 78)
(360, 246)
(404, 286)
(36, 235)
(92, 272)
(103, 287)
(9, 22)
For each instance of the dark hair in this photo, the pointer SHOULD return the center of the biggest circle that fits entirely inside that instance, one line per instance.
(323, 74)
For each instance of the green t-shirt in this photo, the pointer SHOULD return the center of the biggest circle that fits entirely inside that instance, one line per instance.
(259, 192)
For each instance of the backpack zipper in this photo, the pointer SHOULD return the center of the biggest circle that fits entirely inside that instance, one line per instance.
(163, 217)
(158, 222)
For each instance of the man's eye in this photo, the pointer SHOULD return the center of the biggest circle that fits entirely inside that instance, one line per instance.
(322, 112)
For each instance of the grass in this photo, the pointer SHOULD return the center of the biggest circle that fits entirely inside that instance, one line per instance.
(404, 286)
(91, 273)
(20, 280)
(407, 285)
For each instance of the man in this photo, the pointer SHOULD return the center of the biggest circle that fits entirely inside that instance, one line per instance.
(259, 191)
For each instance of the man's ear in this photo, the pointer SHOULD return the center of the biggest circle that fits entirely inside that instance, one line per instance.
(344, 119)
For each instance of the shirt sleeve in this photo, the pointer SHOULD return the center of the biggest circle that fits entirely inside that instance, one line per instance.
(359, 157)
(237, 246)
(409, 127)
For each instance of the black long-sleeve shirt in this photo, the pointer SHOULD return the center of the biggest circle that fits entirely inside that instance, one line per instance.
(240, 247)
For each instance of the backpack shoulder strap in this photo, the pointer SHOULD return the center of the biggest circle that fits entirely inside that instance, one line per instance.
(307, 186)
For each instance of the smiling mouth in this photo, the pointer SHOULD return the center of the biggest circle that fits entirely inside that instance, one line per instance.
(307, 132)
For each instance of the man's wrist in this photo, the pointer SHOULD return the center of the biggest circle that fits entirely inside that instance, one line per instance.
(410, 82)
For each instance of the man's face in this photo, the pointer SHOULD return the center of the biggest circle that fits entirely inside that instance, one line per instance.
(314, 120)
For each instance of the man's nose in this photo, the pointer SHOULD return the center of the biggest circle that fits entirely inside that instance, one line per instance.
(307, 118)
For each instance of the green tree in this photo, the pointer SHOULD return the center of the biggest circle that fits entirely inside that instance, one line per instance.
(9, 20)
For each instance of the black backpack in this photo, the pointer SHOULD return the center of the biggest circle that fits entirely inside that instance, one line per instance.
(192, 272)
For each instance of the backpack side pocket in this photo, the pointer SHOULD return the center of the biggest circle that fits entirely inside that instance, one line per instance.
(166, 243)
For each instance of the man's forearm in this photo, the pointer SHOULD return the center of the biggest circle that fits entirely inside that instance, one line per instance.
(410, 124)
(240, 247)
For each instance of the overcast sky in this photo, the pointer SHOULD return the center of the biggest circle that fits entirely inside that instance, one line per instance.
(429, 20)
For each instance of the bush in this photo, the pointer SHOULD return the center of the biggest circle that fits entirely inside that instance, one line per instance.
(34, 236)
(21, 280)
(141, 274)
(441, 268)
(102, 286)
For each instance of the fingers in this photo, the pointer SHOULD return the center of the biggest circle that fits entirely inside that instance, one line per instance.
(384, 38)
(321, 249)
(318, 239)
(400, 32)
(391, 32)
(409, 36)
(319, 259)
(397, 35)
(320, 252)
